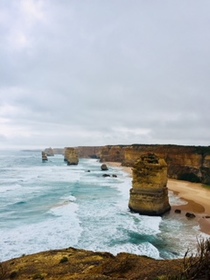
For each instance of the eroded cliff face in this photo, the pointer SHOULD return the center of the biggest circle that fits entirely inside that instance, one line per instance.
(112, 153)
(89, 151)
(190, 163)
(149, 193)
(71, 156)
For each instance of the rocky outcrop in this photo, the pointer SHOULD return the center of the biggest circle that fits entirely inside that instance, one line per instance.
(44, 156)
(71, 156)
(149, 193)
(104, 167)
(190, 215)
(190, 163)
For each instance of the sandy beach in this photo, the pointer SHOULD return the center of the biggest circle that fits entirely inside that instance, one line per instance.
(196, 198)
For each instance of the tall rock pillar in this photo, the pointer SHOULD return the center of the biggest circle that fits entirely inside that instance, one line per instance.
(149, 193)
(71, 156)
(44, 156)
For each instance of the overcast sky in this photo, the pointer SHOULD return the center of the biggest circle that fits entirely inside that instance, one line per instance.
(97, 72)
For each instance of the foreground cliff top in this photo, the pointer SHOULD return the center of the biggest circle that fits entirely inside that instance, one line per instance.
(86, 265)
(78, 264)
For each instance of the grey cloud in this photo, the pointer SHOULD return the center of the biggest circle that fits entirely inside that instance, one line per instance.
(121, 71)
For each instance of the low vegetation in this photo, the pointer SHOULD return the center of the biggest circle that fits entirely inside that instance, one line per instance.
(3, 271)
(85, 265)
(198, 266)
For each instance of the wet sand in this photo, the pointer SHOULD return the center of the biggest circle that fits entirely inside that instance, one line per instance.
(195, 196)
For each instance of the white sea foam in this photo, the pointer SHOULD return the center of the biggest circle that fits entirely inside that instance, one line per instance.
(146, 249)
(52, 205)
(9, 188)
(65, 209)
(175, 199)
(60, 231)
(69, 198)
(147, 224)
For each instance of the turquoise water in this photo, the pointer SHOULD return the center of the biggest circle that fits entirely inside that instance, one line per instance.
(51, 205)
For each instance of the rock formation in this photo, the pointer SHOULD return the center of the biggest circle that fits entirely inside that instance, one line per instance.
(149, 194)
(112, 153)
(44, 156)
(104, 167)
(190, 163)
(89, 151)
(49, 152)
(71, 156)
(190, 215)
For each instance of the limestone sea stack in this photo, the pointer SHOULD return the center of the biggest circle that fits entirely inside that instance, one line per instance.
(44, 156)
(149, 192)
(71, 156)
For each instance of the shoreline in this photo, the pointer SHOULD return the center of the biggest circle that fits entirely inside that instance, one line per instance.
(194, 195)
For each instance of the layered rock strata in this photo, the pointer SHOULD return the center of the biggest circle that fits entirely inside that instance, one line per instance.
(89, 151)
(190, 163)
(149, 193)
(71, 156)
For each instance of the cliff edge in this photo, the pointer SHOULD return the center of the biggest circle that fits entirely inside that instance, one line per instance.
(78, 264)
(189, 163)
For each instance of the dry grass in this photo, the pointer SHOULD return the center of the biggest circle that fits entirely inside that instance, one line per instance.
(3, 271)
(196, 267)
(85, 265)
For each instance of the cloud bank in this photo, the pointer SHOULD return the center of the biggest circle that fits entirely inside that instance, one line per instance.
(104, 72)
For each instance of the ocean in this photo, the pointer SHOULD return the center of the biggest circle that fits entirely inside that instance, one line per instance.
(50, 205)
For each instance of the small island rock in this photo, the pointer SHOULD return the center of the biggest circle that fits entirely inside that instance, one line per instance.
(104, 167)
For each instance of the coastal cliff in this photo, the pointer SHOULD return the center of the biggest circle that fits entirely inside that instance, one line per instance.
(49, 152)
(149, 194)
(89, 151)
(79, 264)
(190, 163)
(71, 156)
(83, 151)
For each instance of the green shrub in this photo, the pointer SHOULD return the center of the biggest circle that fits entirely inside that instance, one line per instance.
(13, 274)
(64, 259)
(38, 276)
